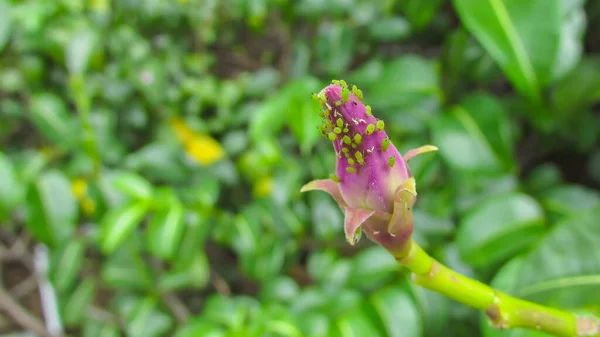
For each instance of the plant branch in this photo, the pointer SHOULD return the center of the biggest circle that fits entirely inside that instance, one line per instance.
(503, 311)
(14, 310)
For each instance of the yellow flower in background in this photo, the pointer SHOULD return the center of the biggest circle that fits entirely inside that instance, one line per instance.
(79, 187)
(263, 187)
(203, 148)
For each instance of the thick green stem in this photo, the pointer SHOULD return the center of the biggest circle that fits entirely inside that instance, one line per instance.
(503, 311)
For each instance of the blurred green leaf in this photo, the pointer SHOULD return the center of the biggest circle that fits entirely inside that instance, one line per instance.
(51, 208)
(67, 265)
(292, 106)
(498, 228)
(146, 320)
(5, 23)
(356, 324)
(397, 310)
(578, 90)
(94, 328)
(564, 267)
(10, 187)
(420, 12)
(475, 136)
(119, 222)
(568, 200)
(132, 185)
(50, 116)
(335, 41)
(390, 29)
(371, 268)
(79, 51)
(510, 31)
(166, 228)
(79, 302)
(572, 31)
(200, 327)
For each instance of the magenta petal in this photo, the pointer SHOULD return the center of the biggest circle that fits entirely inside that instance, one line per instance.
(354, 218)
(329, 186)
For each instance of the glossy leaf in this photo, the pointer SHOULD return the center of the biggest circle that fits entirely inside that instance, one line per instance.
(564, 268)
(5, 22)
(132, 185)
(10, 188)
(165, 230)
(49, 114)
(396, 309)
(475, 136)
(51, 208)
(119, 223)
(498, 228)
(510, 31)
(79, 51)
(68, 264)
(79, 302)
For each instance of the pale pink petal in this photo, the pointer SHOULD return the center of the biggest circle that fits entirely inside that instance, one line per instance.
(354, 218)
(329, 186)
(420, 150)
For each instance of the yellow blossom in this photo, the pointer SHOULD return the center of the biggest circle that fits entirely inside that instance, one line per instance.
(203, 148)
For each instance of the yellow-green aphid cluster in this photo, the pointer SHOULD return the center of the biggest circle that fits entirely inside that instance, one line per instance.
(335, 128)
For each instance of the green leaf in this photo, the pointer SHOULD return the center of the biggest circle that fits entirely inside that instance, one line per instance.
(79, 51)
(498, 228)
(67, 265)
(335, 42)
(523, 37)
(146, 320)
(420, 12)
(166, 229)
(10, 188)
(291, 105)
(577, 91)
(132, 185)
(372, 267)
(5, 22)
(396, 309)
(572, 31)
(119, 222)
(476, 137)
(200, 327)
(50, 116)
(76, 307)
(125, 268)
(570, 199)
(356, 324)
(389, 29)
(564, 268)
(51, 208)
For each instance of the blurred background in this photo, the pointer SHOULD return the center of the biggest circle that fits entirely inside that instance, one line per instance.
(152, 152)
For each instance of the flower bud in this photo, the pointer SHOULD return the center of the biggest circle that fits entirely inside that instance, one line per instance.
(372, 184)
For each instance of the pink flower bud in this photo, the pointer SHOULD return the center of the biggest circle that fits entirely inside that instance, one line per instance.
(372, 184)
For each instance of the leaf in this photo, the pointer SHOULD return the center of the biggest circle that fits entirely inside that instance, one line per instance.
(200, 327)
(571, 36)
(389, 29)
(396, 309)
(523, 37)
(335, 42)
(67, 265)
(5, 23)
(570, 199)
(10, 188)
(166, 228)
(119, 222)
(132, 185)
(372, 267)
(76, 307)
(420, 12)
(476, 137)
(564, 268)
(498, 228)
(577, 91)
(291, 105)
(356, 324)
(51, 208)
(79, 51)
(50, 116)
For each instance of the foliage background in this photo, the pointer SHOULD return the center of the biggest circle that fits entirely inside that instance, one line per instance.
(156, 149)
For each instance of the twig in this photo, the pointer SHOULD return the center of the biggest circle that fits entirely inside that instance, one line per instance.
(47, 293)
(220, 284)
(20, 315)
(179, 310)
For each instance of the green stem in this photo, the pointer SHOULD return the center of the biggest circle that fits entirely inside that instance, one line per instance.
(503, 311)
